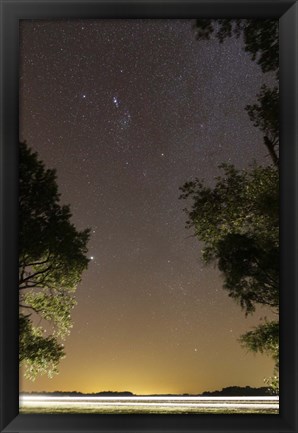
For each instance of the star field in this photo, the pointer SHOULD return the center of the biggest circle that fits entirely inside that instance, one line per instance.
(127, 111)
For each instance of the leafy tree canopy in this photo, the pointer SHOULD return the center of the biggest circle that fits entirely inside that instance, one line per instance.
(52, 257)
(238, 222)
(265, 339)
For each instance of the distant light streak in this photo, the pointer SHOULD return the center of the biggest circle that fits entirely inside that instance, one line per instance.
(150, 398)
(170, 402)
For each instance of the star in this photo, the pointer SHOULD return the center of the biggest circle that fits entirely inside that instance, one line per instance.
(116, 101)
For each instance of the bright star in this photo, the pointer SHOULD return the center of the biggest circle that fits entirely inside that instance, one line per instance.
(115, 101)
(91, 258)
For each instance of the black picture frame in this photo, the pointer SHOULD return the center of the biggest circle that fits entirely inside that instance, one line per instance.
(11, 12)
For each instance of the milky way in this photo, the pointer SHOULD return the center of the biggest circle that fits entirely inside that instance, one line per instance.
(127, 111)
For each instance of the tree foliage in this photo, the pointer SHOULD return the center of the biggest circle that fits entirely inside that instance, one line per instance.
(265, 339)
(52, 257)
(237, 221)
(38, 353)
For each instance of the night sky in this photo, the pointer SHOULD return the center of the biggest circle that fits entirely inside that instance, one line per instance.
(127, 111)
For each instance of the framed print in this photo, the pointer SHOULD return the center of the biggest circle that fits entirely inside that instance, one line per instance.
(148, 216)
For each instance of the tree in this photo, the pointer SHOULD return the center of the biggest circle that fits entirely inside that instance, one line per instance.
(238, 222)
(238, 219)
(52, 257)
(265, 339)
(261, 41)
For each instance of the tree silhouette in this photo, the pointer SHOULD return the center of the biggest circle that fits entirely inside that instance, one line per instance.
(238, 220)
(52, 257)
(265, 116)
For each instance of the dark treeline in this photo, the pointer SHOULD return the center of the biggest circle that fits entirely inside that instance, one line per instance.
(239, 391)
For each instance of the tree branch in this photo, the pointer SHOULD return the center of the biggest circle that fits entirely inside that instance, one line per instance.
(36, 263)
(35, 274)
(270, 146)
(30, 308)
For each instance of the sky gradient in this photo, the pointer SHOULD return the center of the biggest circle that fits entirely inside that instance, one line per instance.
(127, 111)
